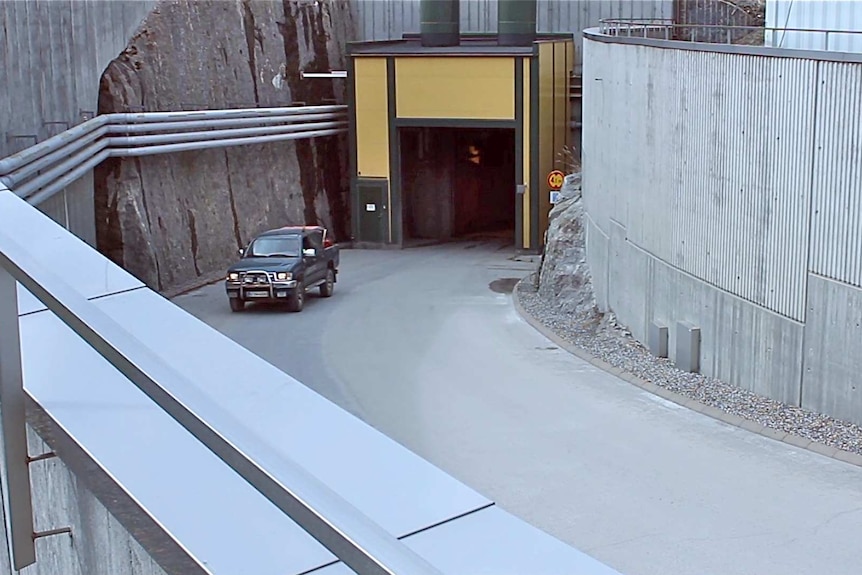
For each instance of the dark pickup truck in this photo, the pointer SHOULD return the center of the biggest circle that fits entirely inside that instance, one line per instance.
(282, 265)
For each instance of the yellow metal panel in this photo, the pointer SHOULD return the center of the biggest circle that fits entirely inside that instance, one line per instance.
(546, 130)
(456, 87)
(561, 97)
(525, 114)
(372, 117)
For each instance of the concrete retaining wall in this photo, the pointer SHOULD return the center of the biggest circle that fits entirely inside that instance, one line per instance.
(720, 191)
(52, 58)
(98, 543)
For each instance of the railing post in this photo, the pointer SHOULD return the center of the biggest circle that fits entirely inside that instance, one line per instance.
(827, 40)
(13, 425)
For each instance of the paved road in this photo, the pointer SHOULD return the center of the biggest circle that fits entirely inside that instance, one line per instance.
(417, 344)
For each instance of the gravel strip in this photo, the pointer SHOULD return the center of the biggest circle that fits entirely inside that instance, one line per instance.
(603, 338)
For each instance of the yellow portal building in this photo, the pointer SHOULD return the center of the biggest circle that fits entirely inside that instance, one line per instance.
(452, 141)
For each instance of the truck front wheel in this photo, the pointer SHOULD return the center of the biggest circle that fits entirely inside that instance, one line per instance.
(236, 304)
(296, 300)
(328, 286)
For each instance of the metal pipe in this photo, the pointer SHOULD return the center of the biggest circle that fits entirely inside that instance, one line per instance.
(72, 135)
(332, 74)
(17, 176)
(133, 118)
(440, 22)
(48, 191)
(57, 171)
(163, 126)
(350, 535)
(218, 134)
(37, 197)
(39, 150)
(205, 145)
(516, 22)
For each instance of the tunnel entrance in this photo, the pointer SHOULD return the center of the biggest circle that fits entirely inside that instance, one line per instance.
(457, 182)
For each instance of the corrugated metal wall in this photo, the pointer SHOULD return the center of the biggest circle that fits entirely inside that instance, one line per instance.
(815, 15)
(711, 163)
(389, 19)
(836, 215)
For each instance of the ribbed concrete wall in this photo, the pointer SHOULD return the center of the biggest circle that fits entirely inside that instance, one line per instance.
(52, 56)
(723, 189)
(836, 213)
(98, 543)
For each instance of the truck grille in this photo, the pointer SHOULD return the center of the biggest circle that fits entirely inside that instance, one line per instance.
(255, 278)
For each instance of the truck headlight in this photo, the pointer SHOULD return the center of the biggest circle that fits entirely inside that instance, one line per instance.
(284, 276)
(233, 276)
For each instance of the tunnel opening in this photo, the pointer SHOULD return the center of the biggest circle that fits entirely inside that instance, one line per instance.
(457, 183)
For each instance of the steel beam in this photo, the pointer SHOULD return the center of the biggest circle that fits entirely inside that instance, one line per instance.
(14, 430)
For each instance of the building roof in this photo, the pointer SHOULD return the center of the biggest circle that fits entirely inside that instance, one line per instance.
(471, 45)
(292, 230)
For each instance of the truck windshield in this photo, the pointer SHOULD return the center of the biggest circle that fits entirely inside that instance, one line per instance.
(276, 246)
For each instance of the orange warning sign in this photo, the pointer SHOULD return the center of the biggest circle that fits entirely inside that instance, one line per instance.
(556, 179)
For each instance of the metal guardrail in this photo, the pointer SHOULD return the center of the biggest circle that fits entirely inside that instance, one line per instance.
(667, 29)
(44, 169)
(350, 535)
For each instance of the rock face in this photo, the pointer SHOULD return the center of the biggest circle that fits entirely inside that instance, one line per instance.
(177, 219)
(564, 277)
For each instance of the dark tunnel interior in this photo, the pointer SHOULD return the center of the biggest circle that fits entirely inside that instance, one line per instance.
(457, 182)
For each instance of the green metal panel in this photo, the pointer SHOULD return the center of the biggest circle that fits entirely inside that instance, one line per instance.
(373, 213)
(397, 232)
(516, 22)
(534, 151)
(519, 152)
(440, 22)
(351, 138)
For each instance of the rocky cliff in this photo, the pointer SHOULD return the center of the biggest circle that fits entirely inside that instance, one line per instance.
(175, 220)
(564, 277)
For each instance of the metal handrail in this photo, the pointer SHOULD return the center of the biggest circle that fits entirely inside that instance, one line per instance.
(42, 170)
(641, 27)
(345, 531)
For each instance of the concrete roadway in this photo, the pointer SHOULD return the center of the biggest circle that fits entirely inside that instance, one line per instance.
(416, 343)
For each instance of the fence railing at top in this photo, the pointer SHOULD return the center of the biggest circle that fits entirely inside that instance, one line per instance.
(42, 170)
(667, 29)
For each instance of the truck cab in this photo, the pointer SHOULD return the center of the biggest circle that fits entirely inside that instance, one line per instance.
(281, 266)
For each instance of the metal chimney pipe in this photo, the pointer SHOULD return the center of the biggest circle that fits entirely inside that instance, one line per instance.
(440, 22)
(516, 22)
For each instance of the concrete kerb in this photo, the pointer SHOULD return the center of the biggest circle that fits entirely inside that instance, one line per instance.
(715, 413)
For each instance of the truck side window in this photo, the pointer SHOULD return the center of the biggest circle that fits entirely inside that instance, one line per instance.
(316, 240)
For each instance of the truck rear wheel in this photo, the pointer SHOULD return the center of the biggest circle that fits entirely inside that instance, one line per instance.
(328, 286)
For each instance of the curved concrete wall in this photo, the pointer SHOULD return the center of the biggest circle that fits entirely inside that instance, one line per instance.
(722, 187)
(52, 56)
